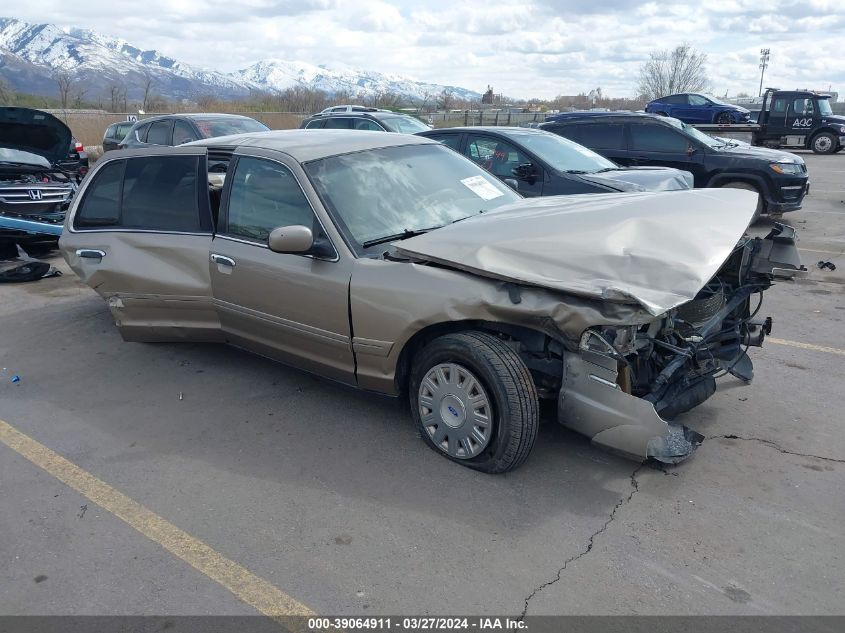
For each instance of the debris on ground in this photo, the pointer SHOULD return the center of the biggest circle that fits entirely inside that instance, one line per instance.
(24, 268)
(826, 265)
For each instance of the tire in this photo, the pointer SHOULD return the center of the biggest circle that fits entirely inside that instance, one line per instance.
(441, 387)
(823, 143)
(739, 184)
(724, 118)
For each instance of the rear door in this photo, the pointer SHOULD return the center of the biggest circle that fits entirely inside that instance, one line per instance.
(776, 125)
(661, 145)
(139, 234)
(605, 138)
(698, 111)
(160, 133)
(293, 307)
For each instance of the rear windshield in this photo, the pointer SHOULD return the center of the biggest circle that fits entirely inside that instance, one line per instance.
(224, 127)
(403, 124)
(562, 154)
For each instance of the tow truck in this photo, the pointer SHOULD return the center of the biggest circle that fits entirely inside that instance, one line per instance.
(792, 119)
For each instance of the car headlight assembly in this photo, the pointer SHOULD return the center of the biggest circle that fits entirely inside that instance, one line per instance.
(786, 168)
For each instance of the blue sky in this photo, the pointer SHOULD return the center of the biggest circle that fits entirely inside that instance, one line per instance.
(524, 48)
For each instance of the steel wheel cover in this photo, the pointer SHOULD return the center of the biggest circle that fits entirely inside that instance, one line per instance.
(822, 143)
(455, 410)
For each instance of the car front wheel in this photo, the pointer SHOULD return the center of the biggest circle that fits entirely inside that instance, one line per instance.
(724, 118)
(474, 401)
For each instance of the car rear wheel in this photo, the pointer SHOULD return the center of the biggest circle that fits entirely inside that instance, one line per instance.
(724, 118)
(474, 401)
(823, 143)
(738, 184)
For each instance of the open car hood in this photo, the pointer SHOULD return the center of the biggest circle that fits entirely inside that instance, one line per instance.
(655, 249)
(34, 132)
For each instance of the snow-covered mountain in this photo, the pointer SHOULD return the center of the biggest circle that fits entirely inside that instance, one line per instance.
(278, 74)
(31, 54)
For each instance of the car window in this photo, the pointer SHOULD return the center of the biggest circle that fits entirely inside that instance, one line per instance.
(159, 133)
(183, 132)
(367, 124)
(122, 129)
(495, 155)
(101, 205)
(561, 153)
(601, 135)
(315, 124)
(338, 123)
(111, 131)
(803, 107)
(265, 195)
(449, 140)
(649, 137)
(697, 100)
(675, 100)
(224, 126)
(403, 124)
(779, 105)
(141, 131)
(152, 193)
(382, 192)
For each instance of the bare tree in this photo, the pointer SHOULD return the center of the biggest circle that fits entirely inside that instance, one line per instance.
(7, 93)
(669, 72)
(65, 82)
(147, 85)
(446, 100)
(117, 96)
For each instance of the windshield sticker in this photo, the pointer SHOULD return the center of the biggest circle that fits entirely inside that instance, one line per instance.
(482, 187)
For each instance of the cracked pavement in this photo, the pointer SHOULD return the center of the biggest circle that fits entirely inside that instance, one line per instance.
(328, 494)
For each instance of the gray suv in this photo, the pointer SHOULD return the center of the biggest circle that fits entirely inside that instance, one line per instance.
(184, 128)
(372, 121)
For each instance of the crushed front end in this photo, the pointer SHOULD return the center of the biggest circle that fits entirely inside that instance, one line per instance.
(33, 204)
(627, 384)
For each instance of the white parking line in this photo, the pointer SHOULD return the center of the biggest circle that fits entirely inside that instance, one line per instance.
(810, 346)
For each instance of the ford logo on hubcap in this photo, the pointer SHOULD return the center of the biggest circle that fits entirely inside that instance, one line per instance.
(453, 411)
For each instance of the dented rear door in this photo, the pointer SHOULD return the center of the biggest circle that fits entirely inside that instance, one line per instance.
(139, 234)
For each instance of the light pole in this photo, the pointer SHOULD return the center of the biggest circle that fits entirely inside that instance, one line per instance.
(764, 62)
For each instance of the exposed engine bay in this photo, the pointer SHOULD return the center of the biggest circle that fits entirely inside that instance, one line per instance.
(33, 204)
(671, 364)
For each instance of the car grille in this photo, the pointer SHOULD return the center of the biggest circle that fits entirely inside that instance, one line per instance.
(32, 199)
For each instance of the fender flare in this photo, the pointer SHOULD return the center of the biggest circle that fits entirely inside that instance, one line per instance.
(722, 177)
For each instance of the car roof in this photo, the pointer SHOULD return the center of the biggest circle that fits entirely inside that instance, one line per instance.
(307, 145)
(192, 115)
(502, 130)
(374, 114)
(576, 116)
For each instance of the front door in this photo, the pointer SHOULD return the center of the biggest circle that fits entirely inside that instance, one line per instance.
(802, 116)
(139, 234)
(293, 307)
(661, 145)
(501, 159)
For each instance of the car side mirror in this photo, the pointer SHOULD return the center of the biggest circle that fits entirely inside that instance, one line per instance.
(513, 183)
(691, 150)
(526, 171)
(291, 239)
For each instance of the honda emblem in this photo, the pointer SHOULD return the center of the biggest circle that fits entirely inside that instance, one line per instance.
(34, 194)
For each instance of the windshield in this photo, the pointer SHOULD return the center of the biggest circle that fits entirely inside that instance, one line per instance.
(562, 154)
(690, 131)
(824, 107)
(390, 191)
(403, 124)
(210, 128)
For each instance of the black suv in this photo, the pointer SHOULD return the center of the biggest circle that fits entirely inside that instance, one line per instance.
(629, 138)
(370, 120)
(178, 129)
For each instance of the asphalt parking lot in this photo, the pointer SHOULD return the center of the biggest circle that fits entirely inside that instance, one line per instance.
(216, 482)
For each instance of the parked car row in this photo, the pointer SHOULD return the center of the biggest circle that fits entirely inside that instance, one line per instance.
(432, 268)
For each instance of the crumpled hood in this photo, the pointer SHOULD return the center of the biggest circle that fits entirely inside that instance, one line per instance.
(655, 249)
(642, 179)
(34, 131)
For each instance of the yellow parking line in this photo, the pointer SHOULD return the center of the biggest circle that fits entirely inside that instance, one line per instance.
(815, 348)
(248, 587)
(816, 250)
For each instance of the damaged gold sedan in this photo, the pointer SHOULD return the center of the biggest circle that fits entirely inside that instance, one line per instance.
(391, 263)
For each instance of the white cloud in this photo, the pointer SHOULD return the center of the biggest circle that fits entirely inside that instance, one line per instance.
(522, 48)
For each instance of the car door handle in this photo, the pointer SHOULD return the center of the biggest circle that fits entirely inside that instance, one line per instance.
(223, 260)
(90, 253)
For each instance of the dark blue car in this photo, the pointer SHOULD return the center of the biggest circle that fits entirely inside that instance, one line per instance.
(697, 108)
